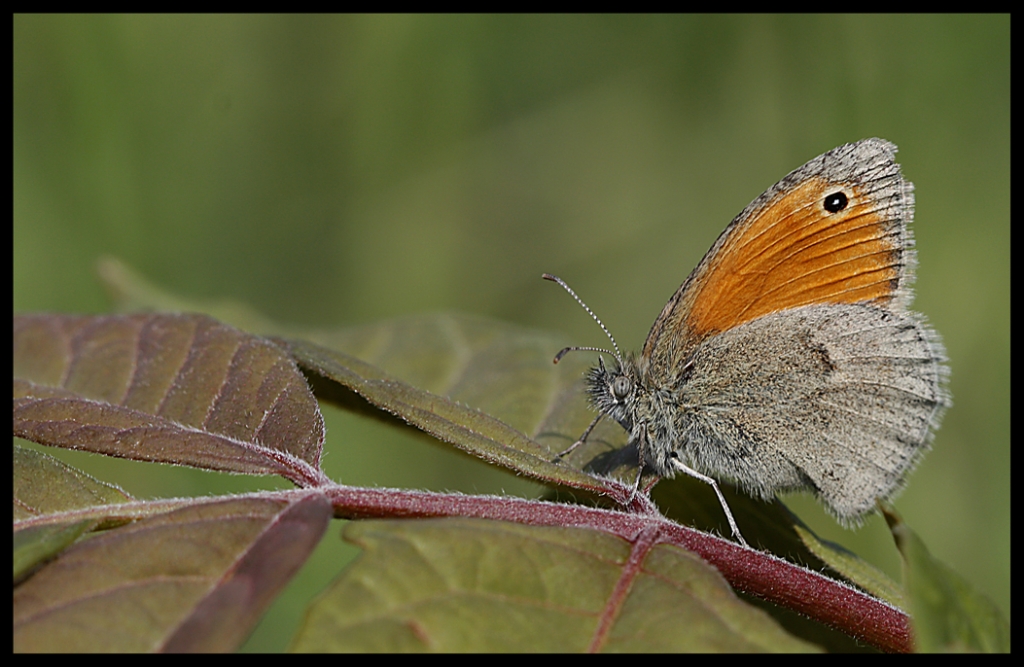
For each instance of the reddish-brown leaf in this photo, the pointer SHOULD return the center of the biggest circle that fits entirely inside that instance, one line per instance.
(181, 389)
(198, 578)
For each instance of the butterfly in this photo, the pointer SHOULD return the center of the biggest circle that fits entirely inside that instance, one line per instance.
(789, 359)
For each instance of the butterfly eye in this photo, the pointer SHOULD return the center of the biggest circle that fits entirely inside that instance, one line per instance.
(620, 387)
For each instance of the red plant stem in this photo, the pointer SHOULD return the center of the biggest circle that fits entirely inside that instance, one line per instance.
(761, 574)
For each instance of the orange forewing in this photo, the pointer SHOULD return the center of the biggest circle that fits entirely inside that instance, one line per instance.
(790, 253)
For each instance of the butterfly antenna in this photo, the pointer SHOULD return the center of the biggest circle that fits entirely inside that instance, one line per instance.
(617, 354)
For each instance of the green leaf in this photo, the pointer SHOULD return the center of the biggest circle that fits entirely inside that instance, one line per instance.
(770, 526)
(44, 485)
(854, 569)
(497, 368)
(468, 428)
(948, 614)
(35, 545)
(469, 585)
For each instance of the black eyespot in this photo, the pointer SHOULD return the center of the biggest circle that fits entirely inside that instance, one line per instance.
(836, 202)
(620, 387)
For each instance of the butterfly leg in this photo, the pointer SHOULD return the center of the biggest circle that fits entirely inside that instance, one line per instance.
(721, 499)
(580, 441)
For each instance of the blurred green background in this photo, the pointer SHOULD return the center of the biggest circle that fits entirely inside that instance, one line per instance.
(338, 170)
